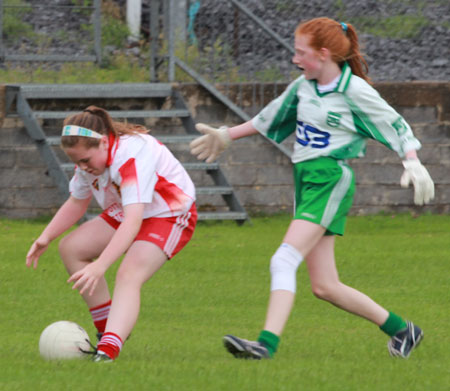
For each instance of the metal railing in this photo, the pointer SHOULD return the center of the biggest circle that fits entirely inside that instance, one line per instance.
(44, 39)
(221, 52)
(249, 43)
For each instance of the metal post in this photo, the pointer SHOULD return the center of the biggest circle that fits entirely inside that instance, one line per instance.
(134, 8)
(98, 30)
(154, 36)
(171, 41)
(1, 32)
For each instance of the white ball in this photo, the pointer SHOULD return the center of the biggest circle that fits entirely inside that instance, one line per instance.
(63, 340)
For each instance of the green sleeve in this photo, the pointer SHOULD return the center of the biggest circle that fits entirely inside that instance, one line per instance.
(279, 118)
(373, 117)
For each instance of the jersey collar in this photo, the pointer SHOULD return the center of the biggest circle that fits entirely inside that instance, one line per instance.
(112, 148)
(345, 78)
(342, 83)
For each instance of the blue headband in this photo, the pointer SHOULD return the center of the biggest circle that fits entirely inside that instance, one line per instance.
(344, 26)
(73, 130)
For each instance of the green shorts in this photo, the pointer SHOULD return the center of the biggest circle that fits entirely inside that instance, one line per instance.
(324, 189)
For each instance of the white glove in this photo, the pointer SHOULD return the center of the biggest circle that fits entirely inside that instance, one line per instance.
(416, 173)
(212, 144)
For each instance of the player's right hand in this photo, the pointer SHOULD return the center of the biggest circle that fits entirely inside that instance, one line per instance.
(36, 250)
(211, 144)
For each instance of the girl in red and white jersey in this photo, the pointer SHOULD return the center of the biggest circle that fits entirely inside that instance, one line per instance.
(149, 214)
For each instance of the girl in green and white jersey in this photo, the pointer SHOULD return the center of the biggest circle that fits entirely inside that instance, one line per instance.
(333, 110)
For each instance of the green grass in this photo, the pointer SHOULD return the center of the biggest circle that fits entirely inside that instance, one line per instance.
(397, 26)
(219, 284)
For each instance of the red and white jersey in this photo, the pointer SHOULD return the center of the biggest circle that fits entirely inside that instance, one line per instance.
(139, 170)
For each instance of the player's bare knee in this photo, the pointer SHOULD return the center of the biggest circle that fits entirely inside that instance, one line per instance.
(69, 251)
(325, 291)
(65, 247)
(283, 268)
(129, 275)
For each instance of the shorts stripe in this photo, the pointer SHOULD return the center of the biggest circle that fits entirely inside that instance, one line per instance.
(337, 195)
(172, 241)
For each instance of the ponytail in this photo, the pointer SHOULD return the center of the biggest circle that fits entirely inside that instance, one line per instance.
(354, 58)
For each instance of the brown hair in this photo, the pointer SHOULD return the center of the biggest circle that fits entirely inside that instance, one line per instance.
(340, 40)
(98, 120)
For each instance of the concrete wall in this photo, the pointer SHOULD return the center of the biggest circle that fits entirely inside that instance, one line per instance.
(260, 173)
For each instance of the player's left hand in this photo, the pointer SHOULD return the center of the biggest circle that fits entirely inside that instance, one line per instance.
(416, 173)
(87, 278)
(211, 144)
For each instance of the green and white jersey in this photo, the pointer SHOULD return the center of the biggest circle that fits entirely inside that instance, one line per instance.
(336, 123)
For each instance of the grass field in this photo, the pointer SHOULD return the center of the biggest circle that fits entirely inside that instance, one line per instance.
(219, 284)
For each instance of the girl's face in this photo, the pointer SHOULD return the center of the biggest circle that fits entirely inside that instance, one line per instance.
(92, 160)
(306, 58)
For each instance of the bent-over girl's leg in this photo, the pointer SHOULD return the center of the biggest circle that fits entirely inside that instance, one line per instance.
(82, 246)
(141, 262)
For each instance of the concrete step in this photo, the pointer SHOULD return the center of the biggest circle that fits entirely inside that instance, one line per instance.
(239, 216)
(187, 166)
(179, 139)
(118, 114)
(222, 216)
(82, 91)
(210, 190)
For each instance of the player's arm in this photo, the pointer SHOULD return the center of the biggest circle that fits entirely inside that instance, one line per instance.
(378, 120)
(214, 141)
(68, 214)
(87, 278)
(276, 121)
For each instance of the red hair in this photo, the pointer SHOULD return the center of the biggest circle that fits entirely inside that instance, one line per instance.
(340, 40)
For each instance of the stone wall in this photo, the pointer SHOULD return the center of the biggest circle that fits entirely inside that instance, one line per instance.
(260, 173)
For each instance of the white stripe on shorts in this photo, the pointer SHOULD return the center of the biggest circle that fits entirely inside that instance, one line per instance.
(336, 196)
(175, 234)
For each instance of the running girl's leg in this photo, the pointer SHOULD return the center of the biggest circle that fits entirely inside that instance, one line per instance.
(325, 284)
(303, 236)
(300, 238)
(81, 247)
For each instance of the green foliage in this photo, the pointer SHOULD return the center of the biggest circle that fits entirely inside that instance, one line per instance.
(12, 19)
(397, 26)
(120, 69)
(219, 284)
(114, 32)
(82, 3)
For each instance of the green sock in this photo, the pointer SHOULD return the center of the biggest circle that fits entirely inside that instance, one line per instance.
(270, 341)
(393, 324)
